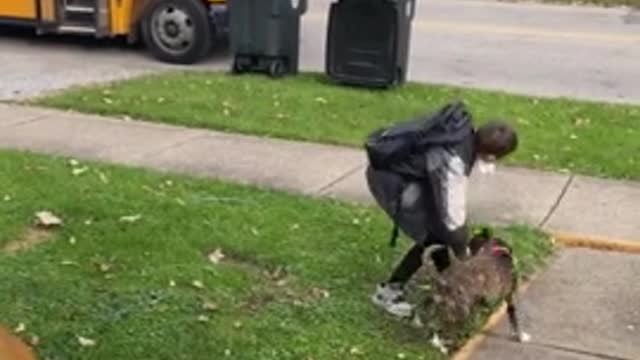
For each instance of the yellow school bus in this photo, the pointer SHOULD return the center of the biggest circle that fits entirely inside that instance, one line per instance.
(176, 31)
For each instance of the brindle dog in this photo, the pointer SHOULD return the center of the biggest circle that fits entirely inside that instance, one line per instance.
(487, 274)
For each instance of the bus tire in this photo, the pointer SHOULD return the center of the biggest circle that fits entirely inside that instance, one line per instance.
(177, 31)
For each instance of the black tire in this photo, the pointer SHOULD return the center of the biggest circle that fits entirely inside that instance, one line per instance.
(238, 67)
(188, 19)
(277, 68)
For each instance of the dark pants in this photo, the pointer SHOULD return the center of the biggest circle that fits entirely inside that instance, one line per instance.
(413, 220)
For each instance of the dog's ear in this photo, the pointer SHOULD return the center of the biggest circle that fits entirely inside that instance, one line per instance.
(480, 238)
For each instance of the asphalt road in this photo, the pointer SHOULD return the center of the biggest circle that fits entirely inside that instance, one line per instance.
(546, 50)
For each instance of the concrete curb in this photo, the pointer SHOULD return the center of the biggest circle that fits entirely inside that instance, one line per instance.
(596, 242)
(563, 239)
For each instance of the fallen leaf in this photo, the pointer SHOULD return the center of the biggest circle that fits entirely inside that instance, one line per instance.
(131, 218)
(321, 100)
(203, 318)
(227, 352)
(88, 222)
(20, 328)
(107, 101)
(356, 351)
(295, 226)
(67, 262)
(72, 240)
(197, 284)
(103, 177)
(47, 219)
(172, 283)
(573, 136)
(86, 342)
(237, 324)
(255, 231)
(438, 344)
(7, 198)
(317, 292)
(401, 356)
(104, 267)
(216, 256)
(74, 162)
(226, 112)
(34, 340)
(79, 171)
(209, 306)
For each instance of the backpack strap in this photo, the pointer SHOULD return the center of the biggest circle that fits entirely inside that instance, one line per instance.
(395, 231)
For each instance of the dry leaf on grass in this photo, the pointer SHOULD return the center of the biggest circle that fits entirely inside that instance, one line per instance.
(103, 177)
(34, 340)
(130, 218)
(86, 342)
(20, 328)
(79, 171)
(209, 306)
(439, 344)
(7, 198)
(216, 256)
(47, 219)
(203, 318)
(197, 284)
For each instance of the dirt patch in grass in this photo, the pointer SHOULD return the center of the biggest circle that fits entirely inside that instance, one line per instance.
(31, 238)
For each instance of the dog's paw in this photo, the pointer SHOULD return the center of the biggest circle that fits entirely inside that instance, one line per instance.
(523, 337)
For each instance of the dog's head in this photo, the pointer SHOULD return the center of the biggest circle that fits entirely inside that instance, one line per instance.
(484, 241)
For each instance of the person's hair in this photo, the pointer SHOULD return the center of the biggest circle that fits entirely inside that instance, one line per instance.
(497, 138)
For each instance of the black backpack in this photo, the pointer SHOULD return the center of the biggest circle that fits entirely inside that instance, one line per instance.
(392, 148)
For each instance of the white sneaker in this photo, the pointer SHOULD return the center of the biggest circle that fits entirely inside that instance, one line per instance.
(390, 297)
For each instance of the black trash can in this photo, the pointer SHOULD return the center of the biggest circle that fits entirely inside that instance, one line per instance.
(368, 41)
(265, 35)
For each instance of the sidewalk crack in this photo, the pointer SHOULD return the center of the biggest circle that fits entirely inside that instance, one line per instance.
(158, 152)
(556, 204)
(337, 180)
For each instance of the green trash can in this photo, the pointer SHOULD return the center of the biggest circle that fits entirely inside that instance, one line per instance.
(265, 35)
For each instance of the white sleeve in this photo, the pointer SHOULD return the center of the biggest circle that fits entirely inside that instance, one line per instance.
(452, 182)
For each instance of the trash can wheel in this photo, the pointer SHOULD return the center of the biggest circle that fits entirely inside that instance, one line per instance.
(240, 65)
(277, 68)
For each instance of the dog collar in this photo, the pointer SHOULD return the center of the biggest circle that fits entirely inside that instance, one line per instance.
(499, 250)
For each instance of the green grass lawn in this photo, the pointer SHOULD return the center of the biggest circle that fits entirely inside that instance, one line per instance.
(130, 268)
(558, 134)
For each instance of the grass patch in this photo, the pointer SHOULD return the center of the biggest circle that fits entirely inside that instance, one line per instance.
(556, 134)
(293, 283)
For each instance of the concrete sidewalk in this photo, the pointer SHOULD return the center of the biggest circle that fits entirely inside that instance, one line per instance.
(512, 195)
(583, 307)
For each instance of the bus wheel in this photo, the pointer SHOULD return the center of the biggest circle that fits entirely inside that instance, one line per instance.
(177, 31)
